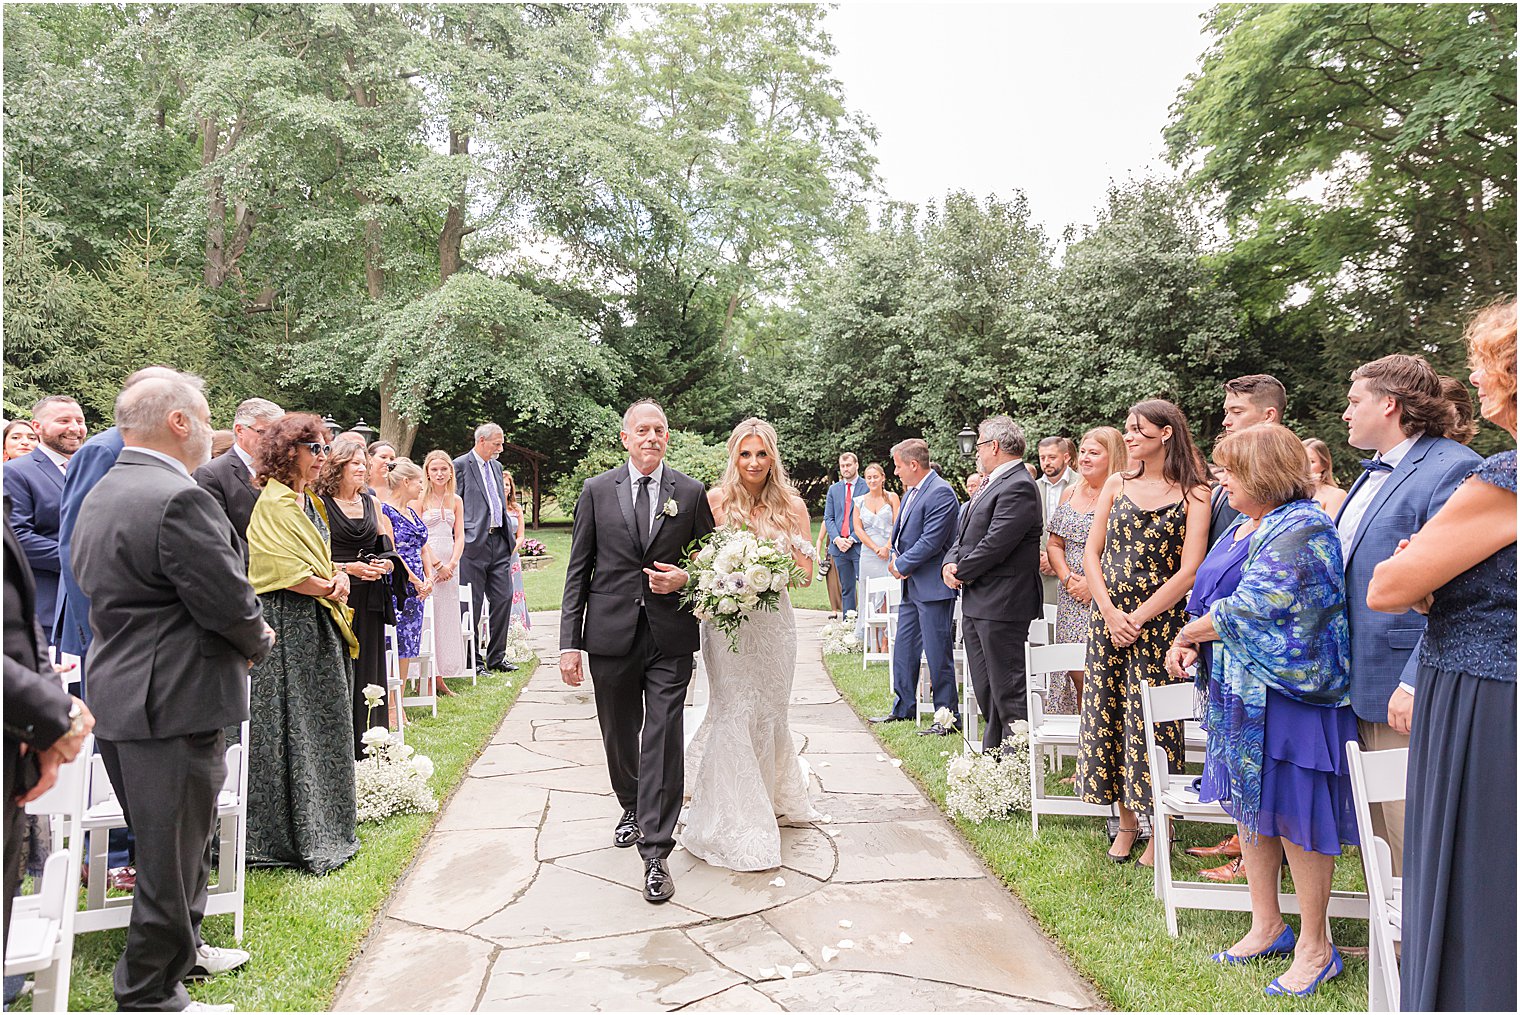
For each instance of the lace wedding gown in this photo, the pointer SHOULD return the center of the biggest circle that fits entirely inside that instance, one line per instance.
(745, 770)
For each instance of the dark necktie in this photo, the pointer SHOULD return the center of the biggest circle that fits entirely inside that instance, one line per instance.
(641, 511)
(1376, 465)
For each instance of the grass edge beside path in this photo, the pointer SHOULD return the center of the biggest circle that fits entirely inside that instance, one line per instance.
(1103, 916)
(303, 931)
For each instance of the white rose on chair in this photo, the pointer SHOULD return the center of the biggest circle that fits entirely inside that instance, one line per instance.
(734, 574)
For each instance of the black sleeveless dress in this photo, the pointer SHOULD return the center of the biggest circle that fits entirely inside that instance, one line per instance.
(371, 602)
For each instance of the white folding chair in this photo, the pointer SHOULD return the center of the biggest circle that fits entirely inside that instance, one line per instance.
(467, 630)
(1048, 731)
(41, 940)
(1174, 796)
(883, 620)
(1050, 615)
(393, 689)
(1379, 777)
(424, 667)
(483, 634)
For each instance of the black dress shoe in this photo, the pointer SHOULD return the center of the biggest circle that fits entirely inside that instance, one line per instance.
(659, 886)
(937, 730)
(627, 831)
(891, 718)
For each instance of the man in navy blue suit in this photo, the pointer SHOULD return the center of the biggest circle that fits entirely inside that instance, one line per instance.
(924, 531)
(839, 523)
(34, 484)
(1394, 408)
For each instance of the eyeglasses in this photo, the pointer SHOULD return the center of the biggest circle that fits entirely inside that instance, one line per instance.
(316, 447)
(992, 441)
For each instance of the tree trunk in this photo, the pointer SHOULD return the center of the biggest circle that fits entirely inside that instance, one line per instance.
(216, 210)
(394, 429)
(451, 240)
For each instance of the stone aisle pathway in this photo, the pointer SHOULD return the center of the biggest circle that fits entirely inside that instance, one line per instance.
(518, 901)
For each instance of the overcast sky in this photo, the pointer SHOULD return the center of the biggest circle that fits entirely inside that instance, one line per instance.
(1053, 99)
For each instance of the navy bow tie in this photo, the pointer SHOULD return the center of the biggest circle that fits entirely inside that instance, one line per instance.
(1376, 465)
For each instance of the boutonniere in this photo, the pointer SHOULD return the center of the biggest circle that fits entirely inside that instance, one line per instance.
(670, 509)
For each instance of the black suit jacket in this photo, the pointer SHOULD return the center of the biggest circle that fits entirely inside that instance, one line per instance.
(174, 617)
(997, 551)
(36, 706)
(1221, 515)
(226, 478)
(605, 584)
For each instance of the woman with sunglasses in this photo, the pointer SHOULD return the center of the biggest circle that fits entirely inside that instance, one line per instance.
(301, 776)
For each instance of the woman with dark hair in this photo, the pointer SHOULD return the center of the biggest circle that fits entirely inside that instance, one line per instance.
(301, 778)
(362, 550)
(20, 439)
(1459, 568)
(1149, 533)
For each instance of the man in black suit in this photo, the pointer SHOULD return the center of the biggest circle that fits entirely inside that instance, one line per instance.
(994, 562)
(44, 727)
(621, 606)
(176, 626)
(34, 483)
(230, 478)
(486, 563)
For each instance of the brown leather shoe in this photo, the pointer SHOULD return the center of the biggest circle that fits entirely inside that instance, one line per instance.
(1235, 870)
(1229, 847)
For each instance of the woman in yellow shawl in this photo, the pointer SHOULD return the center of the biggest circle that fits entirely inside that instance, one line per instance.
(301, 778)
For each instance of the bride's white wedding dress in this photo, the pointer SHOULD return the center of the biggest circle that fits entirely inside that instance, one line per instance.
(744, 768)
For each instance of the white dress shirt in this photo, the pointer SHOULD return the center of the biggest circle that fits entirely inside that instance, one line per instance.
(54, 457)
(634, 475)
(1357, 503)
(247, 459)
(162, 458)
(1051, 490)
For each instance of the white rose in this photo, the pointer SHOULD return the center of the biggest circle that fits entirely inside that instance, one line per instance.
(706, 554)
(372, 694)
(707, 581)
(750, 601)
(726, 605)
(758, 577)
(375, 736)
(778, 581)
(423, 765)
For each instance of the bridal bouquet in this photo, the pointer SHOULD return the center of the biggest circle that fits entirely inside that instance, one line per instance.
(392, 778)
(735, 573)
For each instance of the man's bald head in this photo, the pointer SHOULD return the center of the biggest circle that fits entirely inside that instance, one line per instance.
(167, 414)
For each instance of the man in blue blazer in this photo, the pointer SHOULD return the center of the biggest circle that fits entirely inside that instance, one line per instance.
(1394, 408)
(924, 531)
(839, 523)
(34, 484)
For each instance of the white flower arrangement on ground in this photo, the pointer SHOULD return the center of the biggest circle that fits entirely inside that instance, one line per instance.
(735, 573)
(839, 636)
(392, 778)
(993, 784)
(518, 649)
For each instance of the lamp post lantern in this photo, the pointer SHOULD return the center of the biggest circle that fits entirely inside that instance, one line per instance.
(967, 441)
(331, 425)
(366, 431)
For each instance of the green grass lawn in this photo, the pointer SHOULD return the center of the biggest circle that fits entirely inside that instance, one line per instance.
(545, 585)
(1105, 916)
(302, 929)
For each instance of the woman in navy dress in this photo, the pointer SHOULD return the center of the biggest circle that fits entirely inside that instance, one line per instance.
(1278, 697)
(411, 535)
(1459, 904)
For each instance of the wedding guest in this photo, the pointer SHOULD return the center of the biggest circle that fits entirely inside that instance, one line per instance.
(1248, 400)
(992, 564)
(1148, 536)
(230, 478)
(34, 484)
(839, 523)
(1395, 408)
(517, 536)
(404, 485)
(221, 442)
(1272, 598)
(301, 801)
(973, 485)
(875, 516)
(176, 626)
(924, 531)
(443, 515)
(486, 565)
(20, 439)
(1464, 423)
(1033, 469)
(1327, 492)
(1459, 942)
(1100, 455)
(1055, 478)
(362, 549)
(381, 456)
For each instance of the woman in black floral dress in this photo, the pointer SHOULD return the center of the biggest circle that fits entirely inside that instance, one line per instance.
(1149, 534)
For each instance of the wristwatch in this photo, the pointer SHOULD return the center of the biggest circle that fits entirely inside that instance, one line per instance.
(76, 719)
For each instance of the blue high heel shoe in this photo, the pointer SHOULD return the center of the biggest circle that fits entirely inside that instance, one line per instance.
(1330, 972)
(1282, 946)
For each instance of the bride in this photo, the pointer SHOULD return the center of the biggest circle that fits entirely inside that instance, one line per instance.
(745, 769)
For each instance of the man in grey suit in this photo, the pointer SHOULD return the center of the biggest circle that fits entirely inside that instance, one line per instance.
(486, 564)
(176, 627)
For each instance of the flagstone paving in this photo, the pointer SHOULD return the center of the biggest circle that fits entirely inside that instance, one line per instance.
(518, 901)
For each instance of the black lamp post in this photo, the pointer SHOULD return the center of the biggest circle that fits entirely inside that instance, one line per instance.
(366, 431)
(967, 441)
(331, 425)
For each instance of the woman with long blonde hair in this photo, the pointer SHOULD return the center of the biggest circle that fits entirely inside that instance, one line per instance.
(443, 513)
(745, 770)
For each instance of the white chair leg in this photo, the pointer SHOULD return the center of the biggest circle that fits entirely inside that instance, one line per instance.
(1162, 851)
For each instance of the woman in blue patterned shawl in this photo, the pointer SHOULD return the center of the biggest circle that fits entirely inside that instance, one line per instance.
(1277, 704)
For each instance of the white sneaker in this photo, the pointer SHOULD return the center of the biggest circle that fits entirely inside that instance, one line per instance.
(203, 1006)
(210, 961)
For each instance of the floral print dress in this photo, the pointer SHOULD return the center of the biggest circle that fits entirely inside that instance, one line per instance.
(1072, 617)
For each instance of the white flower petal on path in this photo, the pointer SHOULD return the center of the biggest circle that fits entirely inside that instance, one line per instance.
(897, 763)
(831, 833)
(766, 972)
(846, 924)
(829, 954)
(822, 764)
(881, 757)
(779, 882)
(802, 967)
(904, 939)
(828, 818)
(581, 956)
(785, 971)
(846, 943)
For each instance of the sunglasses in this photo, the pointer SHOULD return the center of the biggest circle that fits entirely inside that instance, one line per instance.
(390, 466)
(316, 447)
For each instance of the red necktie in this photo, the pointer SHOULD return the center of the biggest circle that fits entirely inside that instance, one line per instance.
(847, 532)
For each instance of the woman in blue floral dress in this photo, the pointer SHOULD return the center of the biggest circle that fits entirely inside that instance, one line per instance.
(411, 536)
